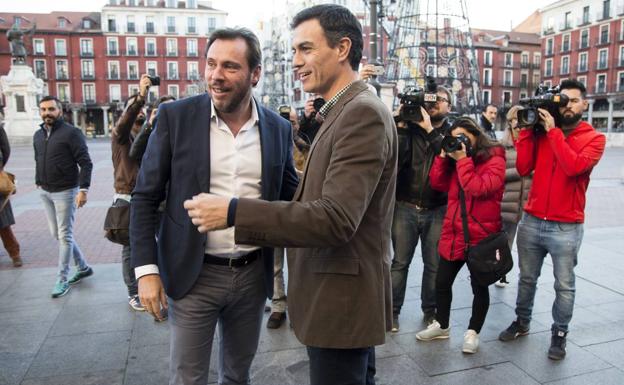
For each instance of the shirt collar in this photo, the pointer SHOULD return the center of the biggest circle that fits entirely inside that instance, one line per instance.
(254, 112)
(324, 111)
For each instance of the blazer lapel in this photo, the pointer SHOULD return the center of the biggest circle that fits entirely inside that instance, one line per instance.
(202, 152)
(357, 87)
(267, 151)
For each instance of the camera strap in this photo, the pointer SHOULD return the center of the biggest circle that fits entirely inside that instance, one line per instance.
(464, 216)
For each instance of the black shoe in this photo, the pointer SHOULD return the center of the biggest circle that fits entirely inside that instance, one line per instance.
(395, 323)
(515, 330)
(275, 320)
(80, 274)
(267, 308)
(557, 345)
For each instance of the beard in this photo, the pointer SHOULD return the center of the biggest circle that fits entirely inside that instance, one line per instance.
(571, 120)
(437, 118)
(54, 119)
(140, 120)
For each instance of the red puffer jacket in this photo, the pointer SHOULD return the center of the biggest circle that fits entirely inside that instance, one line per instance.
(483, 181)
(562, 167)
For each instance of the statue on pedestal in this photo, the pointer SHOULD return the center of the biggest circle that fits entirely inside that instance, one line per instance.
(16, 40)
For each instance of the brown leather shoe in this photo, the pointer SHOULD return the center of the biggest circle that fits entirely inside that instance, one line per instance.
(276, 320)
(17, 261)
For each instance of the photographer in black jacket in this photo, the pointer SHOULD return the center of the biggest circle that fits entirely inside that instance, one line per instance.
(311, 120)
(419, 210)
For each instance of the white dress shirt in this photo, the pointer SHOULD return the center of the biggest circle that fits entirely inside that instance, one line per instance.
(235, 171)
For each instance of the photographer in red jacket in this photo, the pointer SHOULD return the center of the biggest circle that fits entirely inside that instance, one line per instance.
(477, 167)
(562, 159)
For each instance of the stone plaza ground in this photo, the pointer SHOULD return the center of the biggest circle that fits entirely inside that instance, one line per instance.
(91, 336)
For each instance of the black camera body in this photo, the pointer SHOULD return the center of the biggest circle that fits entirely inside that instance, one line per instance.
(547, 98)
(453, 143)
(318, 103)
(413, 98)
(154, 80)
(284, 112)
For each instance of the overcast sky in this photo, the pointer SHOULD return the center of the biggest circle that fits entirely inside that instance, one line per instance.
(484, 14)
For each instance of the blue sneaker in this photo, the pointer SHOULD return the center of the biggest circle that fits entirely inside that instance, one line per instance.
(80, 274)
(60, 289)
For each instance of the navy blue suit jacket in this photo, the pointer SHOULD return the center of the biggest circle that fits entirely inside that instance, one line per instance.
(176, 166)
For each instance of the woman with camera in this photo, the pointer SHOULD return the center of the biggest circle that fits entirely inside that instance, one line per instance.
(473, 163)
(516, 187)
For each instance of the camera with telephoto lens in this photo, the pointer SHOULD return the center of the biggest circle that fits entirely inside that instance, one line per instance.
(548, 98)
(413, 98)
(453, 143)
(154, 80)
(284, 112)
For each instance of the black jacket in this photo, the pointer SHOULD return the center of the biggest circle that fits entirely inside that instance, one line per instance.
(487, 127)
(5, 148)
(417, 149)
(58, 156)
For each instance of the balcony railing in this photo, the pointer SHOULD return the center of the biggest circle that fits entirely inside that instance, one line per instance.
(149, 28)
(90, 100)
(564, 26)
(603, 15)
(62, 76)
(548, 30)
(131, 28)
(89, 76)
(132, 52)
(582, 69)
(580, 22)
(173, 76)
(193, 76)
(171, 29)
(172, 53)
(548, 53)
(487, 82)
(601, 65)
(113, 76)
(565, 47)
(86, 53)
(602, 40)
(524, 65)
(112, 52)
(191, 53)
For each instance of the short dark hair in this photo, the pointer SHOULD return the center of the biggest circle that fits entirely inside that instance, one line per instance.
(337, 23)
(254, 52)
(489, 105)
(484, 145)
(164, 98)
(54, 98)
(573, 84)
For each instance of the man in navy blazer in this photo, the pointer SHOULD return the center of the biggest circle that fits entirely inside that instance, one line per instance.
(222, 143)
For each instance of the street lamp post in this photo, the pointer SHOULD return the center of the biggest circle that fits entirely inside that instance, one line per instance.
(373, 43)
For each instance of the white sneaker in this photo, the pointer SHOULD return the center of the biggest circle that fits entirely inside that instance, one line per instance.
(501, 283)
(434, 331)
(471, 342)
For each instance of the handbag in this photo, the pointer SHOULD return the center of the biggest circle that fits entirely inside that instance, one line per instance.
(7, 183)
(117, 222)
(489, 259)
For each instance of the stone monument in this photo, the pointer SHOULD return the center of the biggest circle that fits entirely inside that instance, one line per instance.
(20, 88)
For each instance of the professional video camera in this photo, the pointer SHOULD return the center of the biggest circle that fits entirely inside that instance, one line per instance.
(453, 143)
(413, 98)
(547, 98)
(284, 112)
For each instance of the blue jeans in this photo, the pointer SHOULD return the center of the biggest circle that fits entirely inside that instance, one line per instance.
(536, 238)
(408, 226)
(60, 208)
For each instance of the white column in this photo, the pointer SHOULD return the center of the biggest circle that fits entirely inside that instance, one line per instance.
(75, 117)
(105, 113)
(590, 112)
(610, 117)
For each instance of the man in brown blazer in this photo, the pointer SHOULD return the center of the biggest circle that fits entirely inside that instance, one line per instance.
(338, 225)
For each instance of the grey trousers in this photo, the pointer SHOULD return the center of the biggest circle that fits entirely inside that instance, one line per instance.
(233, 299)
(128, 271)
(278, 303)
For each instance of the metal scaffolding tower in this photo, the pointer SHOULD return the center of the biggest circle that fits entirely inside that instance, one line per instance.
(433, 38)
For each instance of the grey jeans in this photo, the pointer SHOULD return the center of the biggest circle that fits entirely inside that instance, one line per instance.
(278, 303)
(128, 271)
(233, 299)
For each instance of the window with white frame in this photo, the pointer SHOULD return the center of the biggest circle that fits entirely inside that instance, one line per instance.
(62, 92)
(601, 83)
(113, 70)
(604, 34)
(524, 80)
(130, 24)
(507, 99)
(524, 59)
(88, 69)
(172, 47)
(149, 24)
(153, 94)
(171, 24)
(112, 46)
(582, 79)
(550, 46)
(584, 40)
(537, 60)
(151, 3)
(212, 24)
(40, 68)
(487, 77)
(548, 83)
(192, 69)
(192, 90)
(172, 3)
(191, 47)
(88, 93)
(582, 62)
(86, 47)
(191, 3)
(62, 72)
(114, 91)
(191, 26)
(112, 24)
(487, 58)
(133, 70)
(486, 97)
(150, 46)
(565, 65)
(133, 89)
(38, 47)
(507, 78)
(620, 84)
(60, 47)
(621, 58)
(173, 90)
(548, 67)
(565, 43)
(151, 68)
(603, 56)
(432, 70)
(132, 46)
(508, 59)
(172, 70)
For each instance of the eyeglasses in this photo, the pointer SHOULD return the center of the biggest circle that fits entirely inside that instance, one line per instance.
(440, 99)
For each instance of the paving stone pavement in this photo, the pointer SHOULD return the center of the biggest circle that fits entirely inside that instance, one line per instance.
(91, 336)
